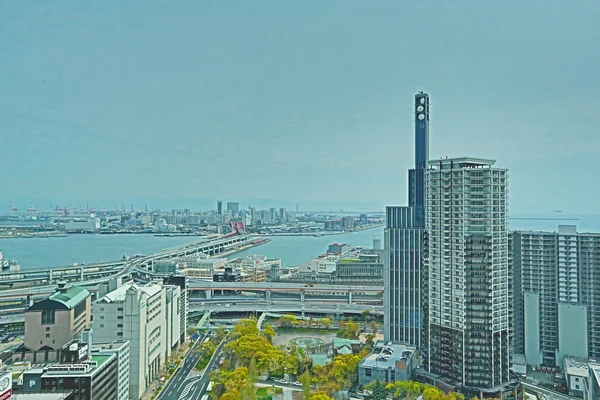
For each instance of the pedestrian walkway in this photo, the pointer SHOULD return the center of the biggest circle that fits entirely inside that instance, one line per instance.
(288, 394)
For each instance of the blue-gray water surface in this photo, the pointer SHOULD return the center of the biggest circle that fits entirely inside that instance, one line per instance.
(293, 250)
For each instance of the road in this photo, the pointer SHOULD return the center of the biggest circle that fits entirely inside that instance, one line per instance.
(175, 384)
(547, 394)
(185, 383)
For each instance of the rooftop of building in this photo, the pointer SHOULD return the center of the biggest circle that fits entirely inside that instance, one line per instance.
(338, 244)
(462, 162)
(65, 298)
(120, 294)
(595, 368)
(576, 366)
(41, 396)
(116, 345)
(98, 360)
(384, 355)
(339, 342)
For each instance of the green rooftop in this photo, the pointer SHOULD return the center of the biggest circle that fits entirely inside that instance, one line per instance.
(101, 359)
(71, 296)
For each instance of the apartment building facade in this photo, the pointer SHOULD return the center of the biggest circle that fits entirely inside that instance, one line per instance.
(466, 264)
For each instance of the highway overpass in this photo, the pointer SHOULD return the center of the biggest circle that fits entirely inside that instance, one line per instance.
(285, 307)
(92, 274)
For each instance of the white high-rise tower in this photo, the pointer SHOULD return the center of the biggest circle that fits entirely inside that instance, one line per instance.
(466, 274)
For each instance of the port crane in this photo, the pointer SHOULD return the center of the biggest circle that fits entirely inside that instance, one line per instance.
(11, 208)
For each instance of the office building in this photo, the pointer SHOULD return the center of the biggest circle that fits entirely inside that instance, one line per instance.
(53, 322)
(466, 262)
(88, 377)
(121, 350)
(404, 237)
(416, 176)
(219, 207)
(182, 282)
(233, 208)
(142, 316)
(283, 214)
(403, 317)
(556, 279)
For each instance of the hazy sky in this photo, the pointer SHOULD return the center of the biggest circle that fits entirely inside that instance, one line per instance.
(304, 101)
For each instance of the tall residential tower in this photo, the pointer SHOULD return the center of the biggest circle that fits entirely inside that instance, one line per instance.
(557, 287)
(466, 263)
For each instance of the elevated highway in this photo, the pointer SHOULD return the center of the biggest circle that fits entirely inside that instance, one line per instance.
(285, 307)
(92, 274)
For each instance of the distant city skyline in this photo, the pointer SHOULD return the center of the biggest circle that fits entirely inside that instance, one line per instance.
(307, 101)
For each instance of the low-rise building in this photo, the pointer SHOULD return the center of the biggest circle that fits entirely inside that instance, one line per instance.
(337, 248)
(89, 377)
(53, 322)
(592, 383)
(576, 372)
(92, 224)
(387, 363)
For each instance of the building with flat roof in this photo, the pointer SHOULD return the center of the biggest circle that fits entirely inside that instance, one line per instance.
(89, 377)
(66, 395)
(402, 277)
(337, 248)
(142, 315)
(467, 280)
(576, 372)
(388, 363)
(121, 351)
(53, 322)
(556, 287)
(592, 383)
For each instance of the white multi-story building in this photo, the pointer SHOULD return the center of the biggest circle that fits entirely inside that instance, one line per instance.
(92, 224)
(121, 350)
(200, 267)
(556, 279)
(146, 317)
(466, 279)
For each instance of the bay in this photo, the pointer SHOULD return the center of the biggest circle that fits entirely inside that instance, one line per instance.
(62, 251)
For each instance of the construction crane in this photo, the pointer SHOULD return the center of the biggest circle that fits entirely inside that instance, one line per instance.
(31, 209)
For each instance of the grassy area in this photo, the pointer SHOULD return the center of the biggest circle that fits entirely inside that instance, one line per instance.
(267, 393)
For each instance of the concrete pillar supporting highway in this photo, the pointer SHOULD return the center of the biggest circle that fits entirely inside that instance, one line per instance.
(208, 294)
(350, 297)
(302, 295)
(268, 295)
(81, 274)
(49, 276)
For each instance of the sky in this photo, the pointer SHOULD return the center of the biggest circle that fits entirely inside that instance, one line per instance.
(279, 103)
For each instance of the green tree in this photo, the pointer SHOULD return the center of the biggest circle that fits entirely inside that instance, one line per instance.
(305, 381)
(379, 392)
(352, 328)
(268, 332)
(325, 322)
(366, 315)
(320, 396)
(374, 327)
(370, 339)
(287, 321)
